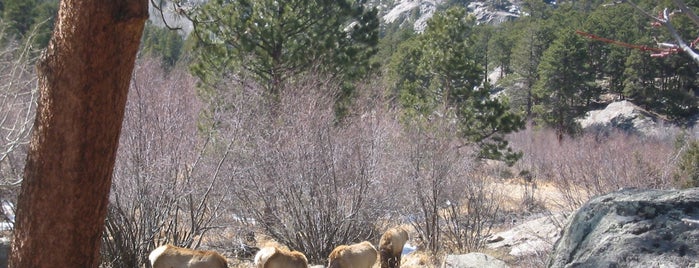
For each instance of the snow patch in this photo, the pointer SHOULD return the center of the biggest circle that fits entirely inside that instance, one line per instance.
(408, 248)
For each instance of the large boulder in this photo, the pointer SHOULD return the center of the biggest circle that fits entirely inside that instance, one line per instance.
(632, 228)
(626, 116)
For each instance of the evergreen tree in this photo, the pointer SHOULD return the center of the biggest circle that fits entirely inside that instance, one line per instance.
(616, 22)
(163, 43)
(19, 14)
(501, 46)
(687, 174)
(481, 36)
(537, 9)
(272, 40)
(437, 72)
(639, 79)
(391, 37)
(44, 21)
(82, 87)
(566, 85)
(534, 38)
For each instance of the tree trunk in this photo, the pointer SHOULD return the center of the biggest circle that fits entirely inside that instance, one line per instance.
(83, 79)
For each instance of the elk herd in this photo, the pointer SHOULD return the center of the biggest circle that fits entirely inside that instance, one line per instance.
(359, 255)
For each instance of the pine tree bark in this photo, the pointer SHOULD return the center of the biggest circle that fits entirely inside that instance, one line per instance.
(83, 79)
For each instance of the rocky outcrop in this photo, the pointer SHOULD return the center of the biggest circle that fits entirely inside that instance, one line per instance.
(486, 13)
(530, 238)
(403, 11)
(628, 117)
(418, 12)
(632, 228)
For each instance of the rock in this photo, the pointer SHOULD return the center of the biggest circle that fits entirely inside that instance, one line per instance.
(625, 116)
(533, 237)
(486, 13)
(632, 228)
(402, 10)
(473, 260)
(418, 12)
(494, 239)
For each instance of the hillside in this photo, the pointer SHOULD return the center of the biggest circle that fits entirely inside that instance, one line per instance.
(416, 13)
(409, 13)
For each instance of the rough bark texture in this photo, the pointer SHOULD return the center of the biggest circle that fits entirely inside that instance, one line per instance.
(83, 82)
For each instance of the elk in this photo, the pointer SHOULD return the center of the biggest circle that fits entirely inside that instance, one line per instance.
(169, 256)
(275, 257)
(391, 247)
(360, 255)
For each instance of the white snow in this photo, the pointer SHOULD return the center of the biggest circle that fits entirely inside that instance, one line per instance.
(408, 248)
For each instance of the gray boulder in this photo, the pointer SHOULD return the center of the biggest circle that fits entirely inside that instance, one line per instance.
(632, 228)
(530, 238)
(628, 117)
(473, 260)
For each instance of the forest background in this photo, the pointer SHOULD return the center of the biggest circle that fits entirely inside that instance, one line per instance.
(317, 123)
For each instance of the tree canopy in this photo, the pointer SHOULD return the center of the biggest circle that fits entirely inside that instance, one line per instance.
(436, 74)
(273, 40)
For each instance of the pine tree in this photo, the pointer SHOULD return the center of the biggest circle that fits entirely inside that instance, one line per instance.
(163, 43)
(272, 40)
(639, 84)
(616, 22)
(19, 14)
(535, 37)
(83, 81)
(501, 46)
(566, 85)
(437, 72)
(43, 23)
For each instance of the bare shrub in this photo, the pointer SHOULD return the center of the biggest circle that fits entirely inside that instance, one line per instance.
(470, 220)
(165, 188)
(306, 179)
(451, 207)
(18, 95)
(287, 167)
(431, 169)
(594, 164)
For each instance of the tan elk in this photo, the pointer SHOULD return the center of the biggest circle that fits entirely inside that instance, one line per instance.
(391, 247)
(275, 257)
(169, 256)
(360, 255)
